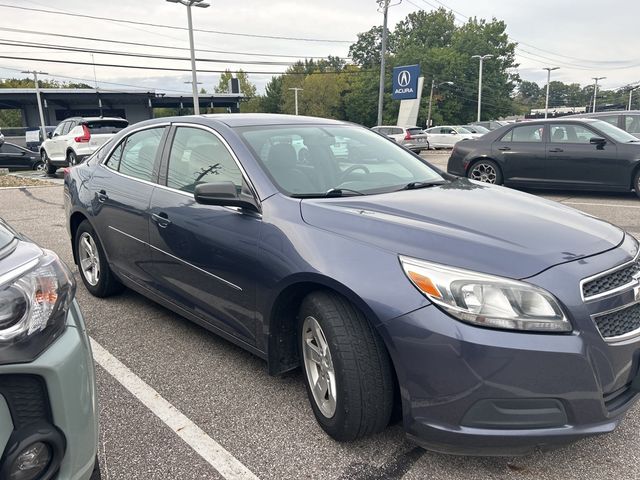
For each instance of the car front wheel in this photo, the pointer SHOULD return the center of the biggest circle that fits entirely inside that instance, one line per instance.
(486, 171)
(92, 263)
(347, 369)
(50, 169)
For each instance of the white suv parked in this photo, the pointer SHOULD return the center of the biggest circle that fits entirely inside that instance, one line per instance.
(76, 138)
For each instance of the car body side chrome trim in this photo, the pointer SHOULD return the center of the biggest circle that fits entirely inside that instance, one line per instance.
(220, 279)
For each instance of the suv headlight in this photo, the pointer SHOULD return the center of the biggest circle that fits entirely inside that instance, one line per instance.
(487, 300)
(34, 300)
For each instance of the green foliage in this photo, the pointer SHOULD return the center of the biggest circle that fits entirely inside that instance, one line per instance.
(247, 88)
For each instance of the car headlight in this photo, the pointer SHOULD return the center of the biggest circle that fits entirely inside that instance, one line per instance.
(34, 300)
(487, 300)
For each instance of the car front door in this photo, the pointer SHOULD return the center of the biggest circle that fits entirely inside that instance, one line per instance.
(13, 157)
(122, 188)
(435, 137)
(55, 145)
(521, 154)
(204, 256)
(573, 160)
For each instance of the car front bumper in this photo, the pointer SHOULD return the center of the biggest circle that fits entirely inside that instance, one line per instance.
(57, 392)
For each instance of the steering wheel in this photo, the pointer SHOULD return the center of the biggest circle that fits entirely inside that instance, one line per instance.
(352, 169)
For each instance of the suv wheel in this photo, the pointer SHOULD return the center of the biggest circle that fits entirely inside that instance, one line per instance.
(72, 158)
(346, 367)
(50, 169)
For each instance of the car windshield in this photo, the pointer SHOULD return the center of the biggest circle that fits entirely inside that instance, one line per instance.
(6, 235)
(321, 160)
(463, 130)
(616, 133)
(478, 129)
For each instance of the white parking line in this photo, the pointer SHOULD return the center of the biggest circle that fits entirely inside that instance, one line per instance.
(601, 204)
(210, 450)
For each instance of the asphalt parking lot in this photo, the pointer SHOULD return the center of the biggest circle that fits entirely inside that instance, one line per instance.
(265, 424)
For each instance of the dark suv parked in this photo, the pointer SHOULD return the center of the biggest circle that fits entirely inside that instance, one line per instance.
(498, 321)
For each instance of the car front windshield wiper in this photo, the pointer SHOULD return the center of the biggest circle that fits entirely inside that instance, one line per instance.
(416, 185)
(332, 192)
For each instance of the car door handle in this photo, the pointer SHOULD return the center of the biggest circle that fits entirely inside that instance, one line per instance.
(504, 149)
(102, 196)
(556, 150)
(162, 219)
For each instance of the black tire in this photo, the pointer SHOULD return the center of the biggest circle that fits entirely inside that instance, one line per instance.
(636, 183)
(486, 171)
(39, 166)
(48, 168)
(72, 158)
(364, 388)
(105, 284)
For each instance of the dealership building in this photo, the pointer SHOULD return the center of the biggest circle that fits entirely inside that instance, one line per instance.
(134, 105)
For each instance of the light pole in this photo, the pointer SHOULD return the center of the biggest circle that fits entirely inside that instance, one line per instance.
(546, 102)
(296, 90)
(631, 89)
(189, 4)
(433, 84)
(35, 79)
(595, 91)
(384, 5)
(482, 58)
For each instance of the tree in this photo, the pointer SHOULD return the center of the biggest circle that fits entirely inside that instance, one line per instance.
(366, 51)
(247, 88)
(272, 99)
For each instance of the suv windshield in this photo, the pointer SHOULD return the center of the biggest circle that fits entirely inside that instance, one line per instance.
(318, 160)
(616, 133)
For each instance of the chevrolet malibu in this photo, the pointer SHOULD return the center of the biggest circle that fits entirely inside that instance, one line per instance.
(494, 320)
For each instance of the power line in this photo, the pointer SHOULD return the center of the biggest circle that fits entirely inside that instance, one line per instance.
(169, 47)
(173, 27)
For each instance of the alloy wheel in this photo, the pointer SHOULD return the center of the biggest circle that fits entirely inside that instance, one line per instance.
(89, 259)
(319, 366)
(483, 172)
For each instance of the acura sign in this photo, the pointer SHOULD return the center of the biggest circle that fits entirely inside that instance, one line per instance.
(405, 82)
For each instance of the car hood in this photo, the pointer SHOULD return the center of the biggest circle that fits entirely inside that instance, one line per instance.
(468, 225)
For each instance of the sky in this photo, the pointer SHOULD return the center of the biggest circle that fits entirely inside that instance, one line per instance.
(585, 39)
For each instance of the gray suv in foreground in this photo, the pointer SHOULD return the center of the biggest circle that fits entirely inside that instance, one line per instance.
(494, 320)
(48, 415)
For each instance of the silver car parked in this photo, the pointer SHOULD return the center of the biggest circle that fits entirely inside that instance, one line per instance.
(412, 138)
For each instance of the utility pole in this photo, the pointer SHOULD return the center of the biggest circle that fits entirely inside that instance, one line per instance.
(296, 90)
(433, 84)
(384, 5)
(595, 91)
(482, 58)
(194, 77)
(631, 89)
(546, 102)
(35, 74)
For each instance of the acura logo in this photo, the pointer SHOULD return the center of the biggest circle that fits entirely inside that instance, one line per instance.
(404, 78)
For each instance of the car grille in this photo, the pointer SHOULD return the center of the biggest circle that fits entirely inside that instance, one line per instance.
(611, 281)
(27, 398)
(619, 322)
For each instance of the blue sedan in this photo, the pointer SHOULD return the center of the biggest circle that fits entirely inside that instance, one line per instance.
(494, 320)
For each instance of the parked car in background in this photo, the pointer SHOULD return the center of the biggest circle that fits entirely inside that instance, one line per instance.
(574, 153)
(498, 320)
(447, 136)
(77, 138)
(15, 157)
(33, 138)
(477, 129)
(48, 414)
(492, 124)
(627, 120)
(1, 137)
(412, 138)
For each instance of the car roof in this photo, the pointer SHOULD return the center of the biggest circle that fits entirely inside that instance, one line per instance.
(94, 119)
(255, 119)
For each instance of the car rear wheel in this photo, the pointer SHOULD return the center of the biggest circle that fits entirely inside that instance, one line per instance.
(72, 158)
(50, 169)
(40, 167)
(347, 369)
(486, 171)
(636, 183)
(92, 263)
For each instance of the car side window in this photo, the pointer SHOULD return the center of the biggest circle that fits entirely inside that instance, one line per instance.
(5, 148)
(198, 156)
(67, 127)
(632, 124)
(568, 133)
(136, 155)
(612, 119)
(396, 131)
(59, 129)
(525, 133)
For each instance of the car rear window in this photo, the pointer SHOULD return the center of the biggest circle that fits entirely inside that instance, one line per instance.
(414, 131)
(97, 127)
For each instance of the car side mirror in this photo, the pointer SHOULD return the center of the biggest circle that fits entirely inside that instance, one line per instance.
(223, 194)
(597, 141)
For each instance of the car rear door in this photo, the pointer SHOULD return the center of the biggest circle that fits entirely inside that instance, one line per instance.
(122, 188)
(204, 256)
(521, 154)
(574, 161)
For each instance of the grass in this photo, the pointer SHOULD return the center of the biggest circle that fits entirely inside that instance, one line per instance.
(15, 181)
